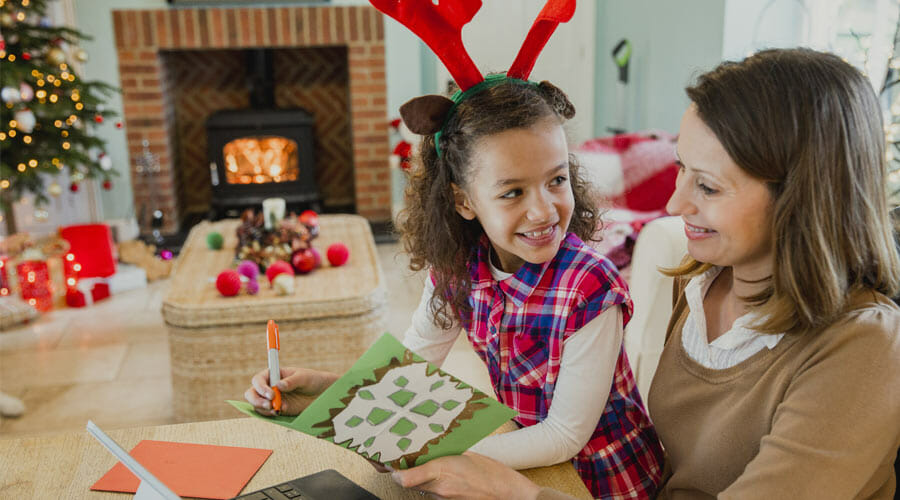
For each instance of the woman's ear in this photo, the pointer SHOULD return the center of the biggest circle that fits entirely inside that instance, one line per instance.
(425, 115)
(462, 203)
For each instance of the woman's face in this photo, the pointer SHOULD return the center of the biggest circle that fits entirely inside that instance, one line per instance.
(727, 213)
(519, 191)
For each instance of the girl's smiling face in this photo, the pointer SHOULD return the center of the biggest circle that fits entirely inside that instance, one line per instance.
(519, 191)
(727, 213)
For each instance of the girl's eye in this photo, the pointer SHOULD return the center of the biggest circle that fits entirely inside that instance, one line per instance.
(511, 194)
(558, 180)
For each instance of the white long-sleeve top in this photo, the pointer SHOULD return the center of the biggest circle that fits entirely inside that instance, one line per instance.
(582, 389)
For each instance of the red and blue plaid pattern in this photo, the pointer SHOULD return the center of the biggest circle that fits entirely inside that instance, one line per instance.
(518, 326)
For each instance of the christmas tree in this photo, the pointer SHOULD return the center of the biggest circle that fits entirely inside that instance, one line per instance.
(47, 113)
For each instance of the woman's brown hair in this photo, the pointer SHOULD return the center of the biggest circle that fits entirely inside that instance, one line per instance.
(434, 235)
(808, 125)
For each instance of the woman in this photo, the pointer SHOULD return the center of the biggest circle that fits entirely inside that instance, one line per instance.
(781, 369)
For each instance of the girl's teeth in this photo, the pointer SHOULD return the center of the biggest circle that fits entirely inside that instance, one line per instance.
(538, 234)
(696, 229)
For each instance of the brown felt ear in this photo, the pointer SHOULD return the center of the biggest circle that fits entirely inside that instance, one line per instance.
(425, 115)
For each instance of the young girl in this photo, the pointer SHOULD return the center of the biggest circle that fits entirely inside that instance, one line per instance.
(498, 216)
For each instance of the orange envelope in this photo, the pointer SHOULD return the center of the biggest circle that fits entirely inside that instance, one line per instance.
(190, 470)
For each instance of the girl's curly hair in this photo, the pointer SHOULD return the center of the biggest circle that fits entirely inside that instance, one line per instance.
(433, 234)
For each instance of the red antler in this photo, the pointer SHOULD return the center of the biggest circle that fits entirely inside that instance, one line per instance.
(439, 24)
(553, 13)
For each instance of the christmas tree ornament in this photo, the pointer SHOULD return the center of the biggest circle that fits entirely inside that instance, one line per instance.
(214, 240)
(228, 283)
(249, 269)
(81, 55)
(105, 161)
(283, 284)
(26, 93)
(54, 189)
(303, 261)
(10, 94)
(56, 56)
(73, 187)
(278, 267)
(45, 22)
(118, 124)
(26, 56)
(309, 218)
(107, 184)
(337, 254)
(317, 256)
(6, 20)
(166, 254)
(98, 118)
(25, 120)
(252, 286)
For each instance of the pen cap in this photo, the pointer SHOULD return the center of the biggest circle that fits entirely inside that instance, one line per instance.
(272, 341)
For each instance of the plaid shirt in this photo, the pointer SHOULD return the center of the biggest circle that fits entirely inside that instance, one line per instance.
(518, 326)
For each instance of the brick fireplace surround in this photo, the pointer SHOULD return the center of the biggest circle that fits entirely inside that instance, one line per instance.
(143, 37)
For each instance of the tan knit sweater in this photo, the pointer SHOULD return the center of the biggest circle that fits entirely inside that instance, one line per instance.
(816, 417)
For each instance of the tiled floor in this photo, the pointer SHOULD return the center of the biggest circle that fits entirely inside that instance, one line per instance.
(110, 362)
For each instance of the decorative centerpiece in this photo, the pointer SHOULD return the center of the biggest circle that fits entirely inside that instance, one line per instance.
(279, 241)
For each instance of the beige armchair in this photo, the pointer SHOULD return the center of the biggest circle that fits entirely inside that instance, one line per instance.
(661, 243)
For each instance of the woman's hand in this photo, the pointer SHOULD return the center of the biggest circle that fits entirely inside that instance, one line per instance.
(298, 386)
(469, 475)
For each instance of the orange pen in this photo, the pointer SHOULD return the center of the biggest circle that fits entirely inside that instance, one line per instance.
(273, 344)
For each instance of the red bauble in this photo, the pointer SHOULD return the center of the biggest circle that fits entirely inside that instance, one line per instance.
(26, 56)
(107, 184)
(278, 267)
(118, 124)
(303, 261)
(337, 254)
(228, 283)
(73, 187)
(309, 218)
(98, 118)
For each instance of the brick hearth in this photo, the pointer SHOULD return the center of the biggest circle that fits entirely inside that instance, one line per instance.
(145, 39)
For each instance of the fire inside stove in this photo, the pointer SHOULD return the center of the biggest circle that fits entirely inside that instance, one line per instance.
(260, 160)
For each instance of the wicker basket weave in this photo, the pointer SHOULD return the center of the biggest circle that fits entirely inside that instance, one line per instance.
(217, 343)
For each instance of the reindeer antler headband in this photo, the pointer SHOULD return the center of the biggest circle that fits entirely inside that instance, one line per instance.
(439, 24)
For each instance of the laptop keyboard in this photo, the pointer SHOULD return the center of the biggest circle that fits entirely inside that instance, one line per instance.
(283, 491)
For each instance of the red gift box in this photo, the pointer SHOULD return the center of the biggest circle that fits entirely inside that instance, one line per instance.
(93, 248)
(35, 285)
(86, 293)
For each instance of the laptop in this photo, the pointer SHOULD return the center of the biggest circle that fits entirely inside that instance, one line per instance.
(325, 485)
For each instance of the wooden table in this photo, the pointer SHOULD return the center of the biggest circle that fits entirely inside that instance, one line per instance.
(66, 465)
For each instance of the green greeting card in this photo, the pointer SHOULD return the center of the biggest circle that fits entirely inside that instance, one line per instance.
(397, 409)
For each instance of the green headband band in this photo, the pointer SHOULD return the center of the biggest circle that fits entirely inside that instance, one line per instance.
(460, 96)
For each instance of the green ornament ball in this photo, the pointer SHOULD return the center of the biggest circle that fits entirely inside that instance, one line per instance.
(214, 240)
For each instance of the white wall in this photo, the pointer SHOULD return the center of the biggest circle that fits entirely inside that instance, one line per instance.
(672, 42)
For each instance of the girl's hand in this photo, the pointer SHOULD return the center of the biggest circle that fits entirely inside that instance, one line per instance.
(298, 386)
(469, 475)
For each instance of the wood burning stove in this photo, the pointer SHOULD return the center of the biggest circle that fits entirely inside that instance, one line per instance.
(261, 152)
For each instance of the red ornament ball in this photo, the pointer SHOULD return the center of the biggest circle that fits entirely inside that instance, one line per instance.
(98, 118)
(107, 184)
(303, 261)
(337, 254)
(278, 267)
(309, 218)
(118, 124)
(228, 283)
(73, 187)
(26, 56)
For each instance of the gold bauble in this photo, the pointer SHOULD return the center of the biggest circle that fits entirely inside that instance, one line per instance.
(56, 56)
(81, 55)
(55, 189)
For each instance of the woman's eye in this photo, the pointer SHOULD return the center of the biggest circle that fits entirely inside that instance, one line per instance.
(706, 189)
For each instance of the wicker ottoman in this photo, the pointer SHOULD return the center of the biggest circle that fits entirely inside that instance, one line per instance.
(217, 343)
